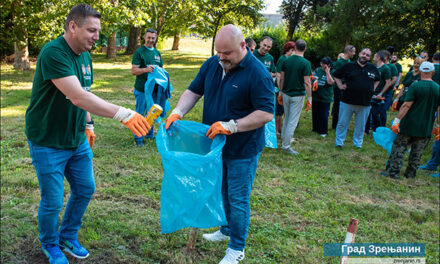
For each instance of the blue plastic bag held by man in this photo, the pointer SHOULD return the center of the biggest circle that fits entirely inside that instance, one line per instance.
(192, 180)
(384, 137)
(158, 90)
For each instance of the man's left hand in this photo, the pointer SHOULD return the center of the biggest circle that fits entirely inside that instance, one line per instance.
(308, 104)
(395, 126)
(90, 134)
(220, 127)
(436, 132)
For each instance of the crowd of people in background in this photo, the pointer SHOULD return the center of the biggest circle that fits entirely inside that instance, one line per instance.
(361, 88)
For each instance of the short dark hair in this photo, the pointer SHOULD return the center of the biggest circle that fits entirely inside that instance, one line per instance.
(387, 54)
(268, 38)
(300, 45)
(79, 14)
(348, 48)
(250, 42)
(327, 60)
(436, 56)
(151, 30)
(390, 49)
(382, 54)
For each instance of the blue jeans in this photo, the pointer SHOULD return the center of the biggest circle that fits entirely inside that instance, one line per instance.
(388, 102)
(141, 108)
(238, 178)
(346, 111)
(51, 166)
(435, 159)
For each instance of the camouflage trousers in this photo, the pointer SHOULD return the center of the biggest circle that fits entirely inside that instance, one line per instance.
(398, 151)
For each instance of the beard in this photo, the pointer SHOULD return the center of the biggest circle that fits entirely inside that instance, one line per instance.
(393, 61)
(362, 61)
(226, 65)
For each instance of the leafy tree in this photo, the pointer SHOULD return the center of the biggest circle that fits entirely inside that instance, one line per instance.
(216, 14)
(294, 10)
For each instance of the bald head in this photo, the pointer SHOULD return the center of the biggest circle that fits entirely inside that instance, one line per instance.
(230, 33)
(230, 46)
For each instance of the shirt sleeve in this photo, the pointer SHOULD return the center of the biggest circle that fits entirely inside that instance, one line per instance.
(262, 95)
(387, 73)
(339, 73)
(411, 94)
(55, 64)
(308, 69)
(136, 59)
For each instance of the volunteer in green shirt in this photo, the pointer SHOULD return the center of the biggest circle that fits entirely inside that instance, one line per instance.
(414, 122)
(288, 50)
(343, 58)
(412, 76)
(378, 110)
(394, 60)
(251, 44)
(263, 55)
(56, 131)
(390, 91)
(294, 84)
(145, 58)
(322, 97)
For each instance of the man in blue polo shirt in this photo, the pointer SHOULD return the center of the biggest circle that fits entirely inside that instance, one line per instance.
(238, 102)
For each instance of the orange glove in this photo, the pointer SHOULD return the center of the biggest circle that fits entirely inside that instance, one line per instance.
(220, 127)
(436, 132)
(315, 86)
(395, 125)
(280, 98)
(134, 121)
(394, 106)
(90, 135)
(176, 114)
(308, 104)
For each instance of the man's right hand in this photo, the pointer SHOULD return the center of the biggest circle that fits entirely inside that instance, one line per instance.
(134, 121)
(176, 114)
(394, 106)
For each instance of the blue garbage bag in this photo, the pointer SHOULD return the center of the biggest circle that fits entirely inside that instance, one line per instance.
(384, 137)
(192, 180)
(159, 79)
(270, 134)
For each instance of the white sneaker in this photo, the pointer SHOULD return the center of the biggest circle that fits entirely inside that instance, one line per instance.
(216, 236)
(232, 256)
(293, 140)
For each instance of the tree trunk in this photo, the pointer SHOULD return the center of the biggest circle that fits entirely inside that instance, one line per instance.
(134, 40)
(176, 42)
(111, 48)
(21, 59)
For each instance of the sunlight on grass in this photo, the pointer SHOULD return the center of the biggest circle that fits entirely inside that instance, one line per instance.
(13, 111)
(195, 45)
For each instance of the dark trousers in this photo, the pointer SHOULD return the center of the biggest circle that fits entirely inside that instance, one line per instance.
(377, 117)
(337, 95)
(320, 111)
(398, 154)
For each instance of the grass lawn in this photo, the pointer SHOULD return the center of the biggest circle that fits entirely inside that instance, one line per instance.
(298, 203)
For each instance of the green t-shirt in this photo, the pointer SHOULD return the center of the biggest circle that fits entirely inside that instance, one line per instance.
(399, 67)
(407, 81)
(143, 57)
(280, 62)
(336, 65)
(325, 90)
(394, 72)
(436, 77)
(51, 119)
(419, 120)
(295, 68)
(385, 74)
(267, 60)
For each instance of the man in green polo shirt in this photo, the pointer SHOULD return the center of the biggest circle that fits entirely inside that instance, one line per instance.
(414, 122)
(263, 55)
(294, 85)
(145, 58)
(343, 58)
(56, 130)
(394, 61)
(378, 103)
